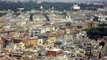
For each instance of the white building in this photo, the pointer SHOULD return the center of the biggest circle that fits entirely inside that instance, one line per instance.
(76, 7)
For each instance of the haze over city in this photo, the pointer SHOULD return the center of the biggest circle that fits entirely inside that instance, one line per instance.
(60, 0)
(53, 29)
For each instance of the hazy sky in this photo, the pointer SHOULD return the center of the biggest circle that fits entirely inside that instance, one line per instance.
(60, 0)
(71, 0)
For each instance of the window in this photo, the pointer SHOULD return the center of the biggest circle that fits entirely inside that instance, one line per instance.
(31, 34)
(105, 18)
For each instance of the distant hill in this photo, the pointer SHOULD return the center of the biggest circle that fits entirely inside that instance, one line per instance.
(46, 5)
